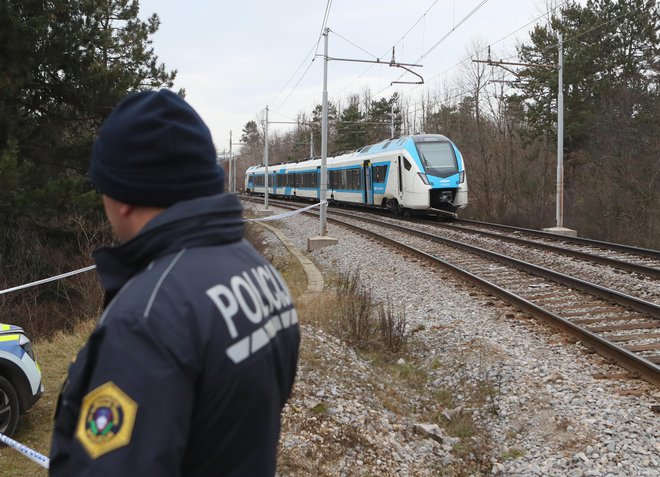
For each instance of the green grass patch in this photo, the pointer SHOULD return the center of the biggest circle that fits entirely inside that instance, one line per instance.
(511, 454)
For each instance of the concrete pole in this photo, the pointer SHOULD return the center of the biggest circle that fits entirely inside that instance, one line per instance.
(324, 137)
(560, 138)
(266, 161)
(392, 121)
(311, 144)
(232, 166)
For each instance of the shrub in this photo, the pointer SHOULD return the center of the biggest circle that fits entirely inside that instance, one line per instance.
(393, 327)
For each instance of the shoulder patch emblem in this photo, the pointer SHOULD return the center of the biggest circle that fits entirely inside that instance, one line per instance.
(106, 420)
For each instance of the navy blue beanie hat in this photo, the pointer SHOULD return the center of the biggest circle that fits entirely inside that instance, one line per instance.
(155, 150)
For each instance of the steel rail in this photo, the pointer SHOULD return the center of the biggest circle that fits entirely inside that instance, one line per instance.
(623, 299)
(646, 252)
(630, 267)
(636, 364)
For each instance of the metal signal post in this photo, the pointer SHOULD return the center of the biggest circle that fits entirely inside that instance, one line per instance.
(560, 128)
(266, 161)
(324, 125)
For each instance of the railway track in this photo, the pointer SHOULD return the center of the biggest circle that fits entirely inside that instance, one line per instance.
(601, 311)
(627, 257)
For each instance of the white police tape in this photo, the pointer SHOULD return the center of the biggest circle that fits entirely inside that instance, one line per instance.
(31, 454)
(47, 280)
(92, 267)
(287, 214)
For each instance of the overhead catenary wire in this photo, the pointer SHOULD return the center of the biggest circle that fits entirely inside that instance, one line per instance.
(388, 50)
(326, 16)
(414, 25)
(470, 57)
(453, 29)
(553, 46)
(467, 59)
(294, 74)
(472, 12)
(549, 48)
(453, 97)
(294, 87)
(463, 20)
(356, 46)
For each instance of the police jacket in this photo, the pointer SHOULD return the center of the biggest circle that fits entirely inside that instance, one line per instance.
(192, 361)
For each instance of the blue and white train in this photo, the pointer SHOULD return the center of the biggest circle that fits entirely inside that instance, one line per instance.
(421, 173)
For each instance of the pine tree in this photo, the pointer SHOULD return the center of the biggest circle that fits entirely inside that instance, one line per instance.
(351, 130)
(65, 64)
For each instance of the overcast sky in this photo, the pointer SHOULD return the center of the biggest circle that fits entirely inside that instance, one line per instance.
(235, 58)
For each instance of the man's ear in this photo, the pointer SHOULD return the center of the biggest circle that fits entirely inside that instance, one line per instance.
(125, 210)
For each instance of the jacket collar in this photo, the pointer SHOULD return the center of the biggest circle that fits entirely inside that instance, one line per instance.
(193, 223)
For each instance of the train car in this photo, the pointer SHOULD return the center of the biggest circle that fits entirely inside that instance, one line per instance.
(421, 173)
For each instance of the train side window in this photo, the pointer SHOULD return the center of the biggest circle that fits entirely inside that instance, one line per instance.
(406, 164)
(379, 173)
(334, 179)
(354, 179)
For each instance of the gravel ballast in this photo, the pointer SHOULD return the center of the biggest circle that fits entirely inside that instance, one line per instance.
(555, 408)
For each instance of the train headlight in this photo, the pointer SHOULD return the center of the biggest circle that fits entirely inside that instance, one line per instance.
(425, 179)
(461, 177)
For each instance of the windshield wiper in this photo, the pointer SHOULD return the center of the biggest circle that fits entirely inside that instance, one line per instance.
(426, 163)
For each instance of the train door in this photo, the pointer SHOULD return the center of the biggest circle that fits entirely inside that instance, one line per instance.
(405, 180)
(318, 182)
(399, 163)
(368, 183)
(249, 183)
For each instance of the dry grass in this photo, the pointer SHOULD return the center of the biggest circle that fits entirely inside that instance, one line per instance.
(350, 312)
(44, 310)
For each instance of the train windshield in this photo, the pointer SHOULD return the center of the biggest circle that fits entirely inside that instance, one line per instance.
(438, 158)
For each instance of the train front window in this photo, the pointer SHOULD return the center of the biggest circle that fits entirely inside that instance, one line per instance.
(438, 158)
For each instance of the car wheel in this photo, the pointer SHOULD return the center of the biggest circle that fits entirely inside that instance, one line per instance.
(8, 407)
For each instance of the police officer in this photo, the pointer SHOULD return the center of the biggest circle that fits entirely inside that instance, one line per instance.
(195, 354)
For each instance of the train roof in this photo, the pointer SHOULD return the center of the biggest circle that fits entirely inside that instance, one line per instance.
(383, 146)
(394, 144)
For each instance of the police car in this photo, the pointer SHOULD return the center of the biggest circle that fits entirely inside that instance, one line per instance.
(20, 377)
